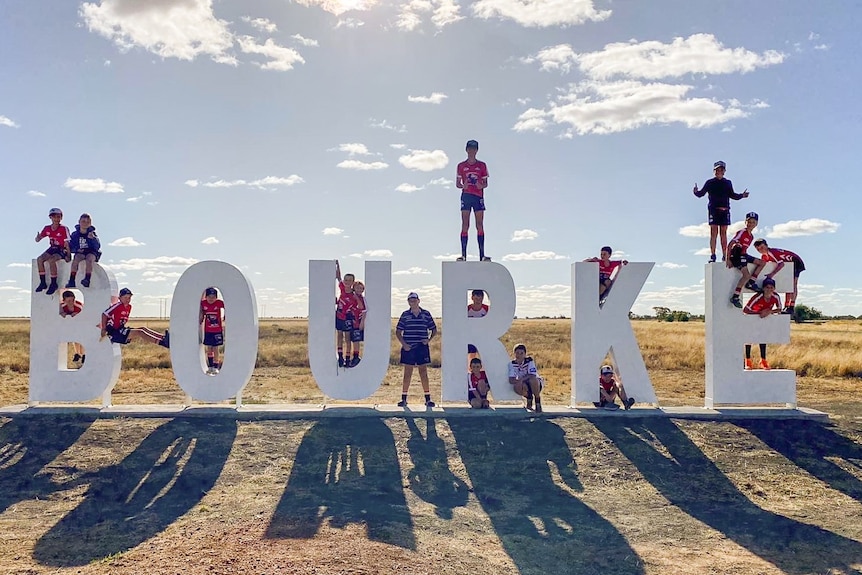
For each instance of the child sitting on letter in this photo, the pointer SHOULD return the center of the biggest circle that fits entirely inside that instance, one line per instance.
(85, 244)
(609, 389)
(477, 385)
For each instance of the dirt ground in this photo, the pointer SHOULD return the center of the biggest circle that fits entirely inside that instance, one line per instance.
(484, 495)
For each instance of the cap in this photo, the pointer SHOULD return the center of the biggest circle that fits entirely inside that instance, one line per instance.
(211, 291)
(55, 211)
(752, 215)
(607, 249)
(68, 293)
(125, 291)
(413, 295)
(768, 282)
(472, 144)
(606, 369)
(719, 164)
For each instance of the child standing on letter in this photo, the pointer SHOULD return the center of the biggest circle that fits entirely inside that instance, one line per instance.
(212, 318)
(720, 192)
(343, 313)
(471, 177)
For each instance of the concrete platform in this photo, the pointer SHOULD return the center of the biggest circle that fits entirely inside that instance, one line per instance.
(311, 411)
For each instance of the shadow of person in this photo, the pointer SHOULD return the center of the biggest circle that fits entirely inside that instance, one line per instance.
(809, 444)
(693, 483)
(431, 479)
(345, 471)
(126, 504)
(27, 445)
(542, 525)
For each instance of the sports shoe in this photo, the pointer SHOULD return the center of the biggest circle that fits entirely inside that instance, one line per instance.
(598, 404)
(85, 282)
(430, 403)
(629, 403)
(402, 403)
(752, 285)
(340, 361)
(789, 310)
(610, 406)
(210, 371)
(461, 259)
(166, 340)
(748, 363)
(602, 302)
(355, 361)
(530, 403)
(735, 301)
(485, 259)
(215, 371)
(42, 286)
(52, 288)
(70, 284)
(764, 364)
(76, 358)
(712, 258)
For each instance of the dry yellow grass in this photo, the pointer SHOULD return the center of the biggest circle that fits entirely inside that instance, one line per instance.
(673, 353)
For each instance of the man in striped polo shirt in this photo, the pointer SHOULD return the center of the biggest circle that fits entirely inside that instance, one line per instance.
(415, 329)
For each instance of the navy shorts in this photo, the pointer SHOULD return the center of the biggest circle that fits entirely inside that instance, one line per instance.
(798, 267)
(357, 335)
(719, 216)
(472, 202)
(214, 339)
(55, 251)
(419, 354)
(740, 259)
(120, 336)
(471, 348)
(344, 324)
(603, 278)
(471, 395)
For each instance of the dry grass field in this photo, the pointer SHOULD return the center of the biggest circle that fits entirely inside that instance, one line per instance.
(612, 495)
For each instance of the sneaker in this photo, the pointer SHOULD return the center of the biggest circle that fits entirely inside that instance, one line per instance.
(83, 358)
(735, 301)
(789, 310)
(76, 358)
(485, 259)
(602, 302)
(629, 403)
(210, 371)
(748, 363)
(215, 371)
(529, 403)
(85, 282)
(461, 259)
(52, 288)
(752, 285)
(764, 364)
(712, 259)
(42, 286)
(355, 361)
(166, 340)
(538, 407)
(598, 404)
(430, 403)
(70, 284)
(611, 406)
(340, 361)
(402, 403)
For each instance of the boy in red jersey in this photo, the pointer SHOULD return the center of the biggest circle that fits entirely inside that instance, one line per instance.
(763, 304)
(114, 324)
(472, 178)
(70, 307)
(780, 257)
(343, 313)
(610, 389)
(58, 236)
(607, 267)
(477, 385)
(212, 317)
(357, 335)
(740, 259)
(720, 192)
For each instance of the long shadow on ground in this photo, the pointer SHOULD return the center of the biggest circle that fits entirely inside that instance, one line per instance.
(693, 483)
(809, 444)
(126, 504)
(431, 479)
(27, 445)
(346, 471)
(543, 527)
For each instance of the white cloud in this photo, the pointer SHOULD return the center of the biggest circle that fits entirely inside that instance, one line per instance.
(349, 23)
(385, 125)
(560, 57)
(821, 47)
(160, 262)
(182, 29)
(702, 252)
(126, 242)
(281, 58)
(268, 181)
(134, 198)
(521, 235)
(434, 98)
(4, 121)
(541, 13)
(332, 231)
(397, 146)
(261, 24)
(412, 272)
(523, 101)
(373, 254)
(339, 7)
(359, 165)
(533, 256)
(443, 182)
(702, 231)
(354, 149)
(305, 41)
(192, 183)
(671, 266)
(446, 257)
(606, 108)
(443, 12)
(809, 227)
(697, 54)
(93, 185)
(35, 194)
(19, 265)
(212, 240)
(407, 188)
(424, 160)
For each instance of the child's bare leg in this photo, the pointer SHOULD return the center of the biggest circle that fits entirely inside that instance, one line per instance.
(723, 233)
(52, 265)
(408, 375)
(90, 259)
(40, 264)
(476, 402)
(483, 388)
(423, 377)
(713, 235)
(746, 275)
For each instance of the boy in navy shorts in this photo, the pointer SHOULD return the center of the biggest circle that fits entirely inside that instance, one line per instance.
(607, 266)
(720, 192)
(114, 324)
(58, 235)
(212, 317)
(357, 335)
(477, 385)
(471, 177)
(415, 330)
(343, 314)
(85, 244)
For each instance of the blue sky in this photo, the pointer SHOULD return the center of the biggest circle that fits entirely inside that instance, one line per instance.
(268, 133)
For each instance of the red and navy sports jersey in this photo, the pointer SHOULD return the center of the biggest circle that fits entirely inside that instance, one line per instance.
(76, 309)
(481, 312)
(778, 255)
(471, 175)
(473, 380)
(744, 238)
(58, 236)
(606, 268)
(759, 302)
(212, 315)
(607, 385)
(344, 303)
(118, 314)
(358, 308)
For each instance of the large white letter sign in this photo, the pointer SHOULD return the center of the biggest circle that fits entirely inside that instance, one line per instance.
(50, 380)
(728, 329)
(595, 330)
(460, 278)
(363, 380)
(241, 332)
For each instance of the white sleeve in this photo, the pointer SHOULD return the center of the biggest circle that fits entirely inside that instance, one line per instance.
(531, 369)
(513, 370)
